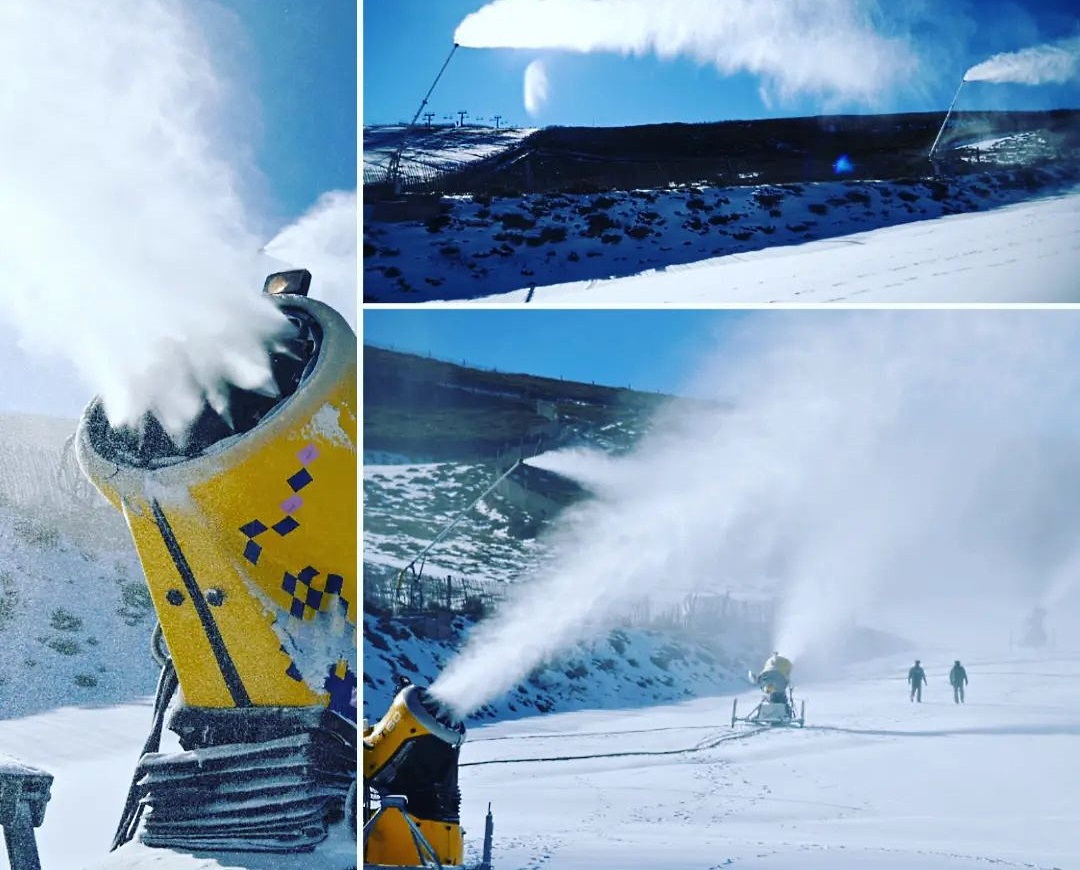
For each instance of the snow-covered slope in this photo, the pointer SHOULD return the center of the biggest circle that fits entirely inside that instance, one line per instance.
(873, 781)
(75, 616)
(480, 246)
(438, 148)
(1028, 252)
(624, 668)
(406, 506)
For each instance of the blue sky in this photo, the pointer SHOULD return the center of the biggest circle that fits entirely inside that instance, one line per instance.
(653, 350)
(299, 58)
(406, 41)
(291, 74)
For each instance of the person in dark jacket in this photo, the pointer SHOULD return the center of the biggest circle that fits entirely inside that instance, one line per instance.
(916, 678)
(957, 679)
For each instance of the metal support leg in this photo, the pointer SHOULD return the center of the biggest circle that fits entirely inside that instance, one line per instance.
(24, 792)
(397, 803)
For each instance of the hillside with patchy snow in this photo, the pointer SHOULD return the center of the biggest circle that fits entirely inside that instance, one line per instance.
(482, 245)
(1027, 252)
(438, 148)
(419, 407)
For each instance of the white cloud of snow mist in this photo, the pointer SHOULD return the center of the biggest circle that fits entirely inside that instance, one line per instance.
(323, 241)
(536, 87)
(125, 242)
(1053, 63)
(835, 49)
(903, 470)
(591, 467)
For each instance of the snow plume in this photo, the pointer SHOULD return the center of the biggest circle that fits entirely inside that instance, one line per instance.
(536, 87)
(831, 48)
(126, 245)
(323, 241)
(590, 467)
(891, 469)
(1055, 62)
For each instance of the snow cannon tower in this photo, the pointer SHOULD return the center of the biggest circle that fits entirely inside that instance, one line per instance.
(411, 763)
(246, 533)
(777, 706)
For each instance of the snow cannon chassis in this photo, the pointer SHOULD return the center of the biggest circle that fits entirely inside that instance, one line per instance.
(771, 713)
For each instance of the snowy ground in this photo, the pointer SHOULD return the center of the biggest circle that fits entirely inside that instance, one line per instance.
(1028, 252)
(91, 753)
(873, 781)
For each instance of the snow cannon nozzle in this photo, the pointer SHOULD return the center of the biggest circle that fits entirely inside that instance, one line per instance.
(232, 411)
(433, 712)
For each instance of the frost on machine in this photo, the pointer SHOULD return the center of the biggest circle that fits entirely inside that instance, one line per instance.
(246, 531)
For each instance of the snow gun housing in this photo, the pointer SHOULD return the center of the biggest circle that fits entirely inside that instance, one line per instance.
(246, 532)
(411, 763)
(777, 706)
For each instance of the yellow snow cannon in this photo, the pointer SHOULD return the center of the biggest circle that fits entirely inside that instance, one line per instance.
(411, 766)
(246, 531)
(777, 706)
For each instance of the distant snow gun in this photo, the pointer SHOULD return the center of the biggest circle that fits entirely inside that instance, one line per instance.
(777, 706)
(412, 802)
(246, 533)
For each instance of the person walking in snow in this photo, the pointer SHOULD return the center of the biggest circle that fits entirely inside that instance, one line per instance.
(957, 679)
(916, 677)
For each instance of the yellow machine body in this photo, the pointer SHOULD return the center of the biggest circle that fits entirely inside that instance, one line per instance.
(249, 549)
(779, 664)
(412, 730)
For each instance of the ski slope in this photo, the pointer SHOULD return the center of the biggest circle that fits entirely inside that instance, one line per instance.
(873, 781)
(1029, 252)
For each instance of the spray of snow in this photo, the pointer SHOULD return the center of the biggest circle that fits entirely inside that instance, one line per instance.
(323, 240)
(592, 468)
(1055, 62)
(126, 244)
(536, 87)
(887, 468)
(827, 47)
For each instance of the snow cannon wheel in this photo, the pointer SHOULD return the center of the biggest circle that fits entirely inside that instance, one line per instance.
(734, 706)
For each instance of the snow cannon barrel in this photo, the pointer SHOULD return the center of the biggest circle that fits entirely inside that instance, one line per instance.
(412, 753)
(246, 530)
(775, 675)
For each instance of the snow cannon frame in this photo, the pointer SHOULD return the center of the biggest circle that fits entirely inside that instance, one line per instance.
(771, 713)
(247, 537)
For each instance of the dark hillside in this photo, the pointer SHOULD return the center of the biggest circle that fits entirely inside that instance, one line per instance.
(426, 407)
(767, 151)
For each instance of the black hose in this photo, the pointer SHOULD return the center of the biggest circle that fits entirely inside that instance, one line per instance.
(133, 807)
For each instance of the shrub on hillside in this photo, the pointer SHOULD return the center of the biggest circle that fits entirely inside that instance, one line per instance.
(513, 220)
(437, 223)
(63, 645)
(597, 224)
(63, 620)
